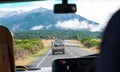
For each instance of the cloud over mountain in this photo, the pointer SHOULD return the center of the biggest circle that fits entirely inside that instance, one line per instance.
(75, 24)
(42, 18)
(37, 27)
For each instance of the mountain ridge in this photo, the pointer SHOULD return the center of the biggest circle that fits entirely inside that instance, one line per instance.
(43, 18)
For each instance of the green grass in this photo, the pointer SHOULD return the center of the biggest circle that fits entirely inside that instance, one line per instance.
(25, 44)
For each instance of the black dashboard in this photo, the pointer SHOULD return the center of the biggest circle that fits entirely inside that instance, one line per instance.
(82, 64)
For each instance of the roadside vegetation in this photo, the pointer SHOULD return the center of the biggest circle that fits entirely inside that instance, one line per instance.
(30, 58)
(89, 42)
(29, 43)
(27, 50)
(26, 47)
(92, 44)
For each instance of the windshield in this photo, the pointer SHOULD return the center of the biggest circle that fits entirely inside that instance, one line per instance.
(35, 28)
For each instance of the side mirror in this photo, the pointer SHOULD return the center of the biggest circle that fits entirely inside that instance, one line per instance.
(65, 8)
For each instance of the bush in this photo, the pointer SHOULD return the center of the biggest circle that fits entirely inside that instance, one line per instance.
(26, 47)
(26, 44)
(90, 42)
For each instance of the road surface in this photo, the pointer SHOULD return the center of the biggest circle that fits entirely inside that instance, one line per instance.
(71, 51)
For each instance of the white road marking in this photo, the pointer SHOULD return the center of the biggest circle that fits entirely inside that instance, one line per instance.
(71, 52)
(43, 59)
(68, 50)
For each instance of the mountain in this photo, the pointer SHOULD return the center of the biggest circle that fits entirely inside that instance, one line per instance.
(42, 18)
(9, 13)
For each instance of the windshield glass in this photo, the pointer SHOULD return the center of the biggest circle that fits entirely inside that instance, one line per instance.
(35, 28)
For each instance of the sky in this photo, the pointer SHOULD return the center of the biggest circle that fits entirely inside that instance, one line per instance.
(96, 10)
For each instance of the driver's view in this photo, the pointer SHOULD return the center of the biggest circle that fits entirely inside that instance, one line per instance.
(56, 35)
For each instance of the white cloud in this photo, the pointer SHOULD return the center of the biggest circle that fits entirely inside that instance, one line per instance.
(98, 10)
(29, 6)
(83, 25)
(76, 25)
(70, 24)
(94, 28)
(49, 26)
(95, 10)
(37, 27)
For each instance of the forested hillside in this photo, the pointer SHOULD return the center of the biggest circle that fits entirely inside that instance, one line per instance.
(60, 34)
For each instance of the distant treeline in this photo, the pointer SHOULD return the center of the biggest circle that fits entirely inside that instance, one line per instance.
(60, 34)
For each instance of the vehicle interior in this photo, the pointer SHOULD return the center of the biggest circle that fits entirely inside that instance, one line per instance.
(28, 28)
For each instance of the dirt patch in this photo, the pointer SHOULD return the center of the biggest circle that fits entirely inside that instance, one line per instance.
(99, 40)
(94, 49)
(76, 42)
(47, 42)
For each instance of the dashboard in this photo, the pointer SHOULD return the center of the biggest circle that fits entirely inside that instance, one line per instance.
(83, 64)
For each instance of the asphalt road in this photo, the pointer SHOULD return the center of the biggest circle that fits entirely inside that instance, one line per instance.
(71, 51)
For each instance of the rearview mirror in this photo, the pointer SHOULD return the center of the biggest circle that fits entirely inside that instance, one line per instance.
(65, 8)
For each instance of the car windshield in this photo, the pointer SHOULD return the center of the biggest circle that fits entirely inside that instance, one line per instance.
(58, 44)
(35, 27)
